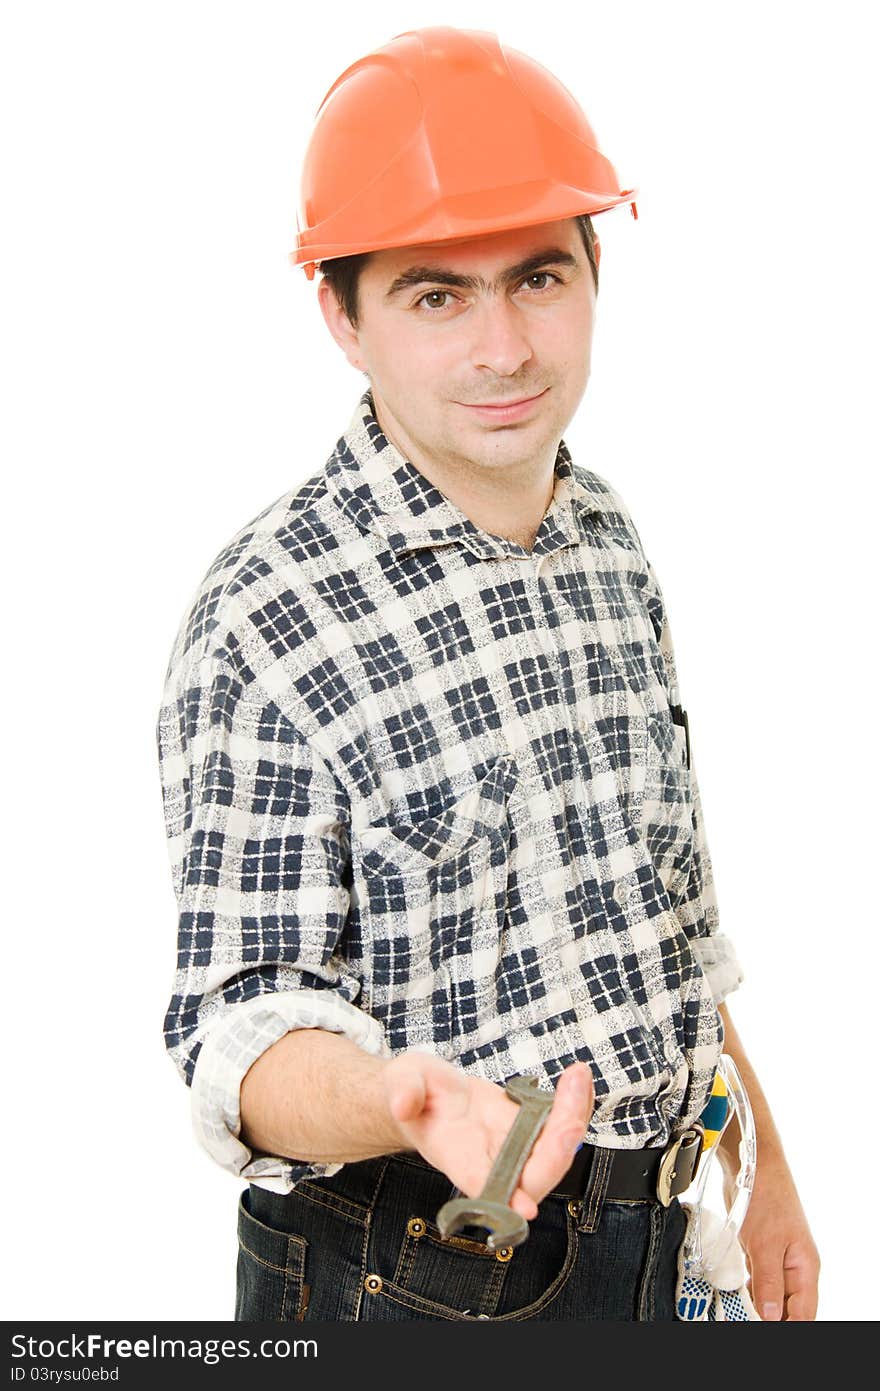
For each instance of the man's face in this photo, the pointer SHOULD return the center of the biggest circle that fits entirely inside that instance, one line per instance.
(449, 327)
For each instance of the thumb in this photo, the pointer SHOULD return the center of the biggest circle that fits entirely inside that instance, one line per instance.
(575, 1098)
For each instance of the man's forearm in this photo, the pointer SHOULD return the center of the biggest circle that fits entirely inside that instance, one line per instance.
(768, 1139)
(318, 1097)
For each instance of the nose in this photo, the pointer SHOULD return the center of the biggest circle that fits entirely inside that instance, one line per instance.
(499, 341)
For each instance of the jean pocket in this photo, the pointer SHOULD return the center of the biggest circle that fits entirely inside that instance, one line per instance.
(454, 1275)
(460, 1279)
(270, 1274)
(433, 897)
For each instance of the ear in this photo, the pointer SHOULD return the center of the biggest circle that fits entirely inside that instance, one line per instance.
(597, 248)
(340, 325)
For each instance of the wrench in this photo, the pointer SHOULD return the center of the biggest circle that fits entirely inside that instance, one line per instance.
(490, 1209)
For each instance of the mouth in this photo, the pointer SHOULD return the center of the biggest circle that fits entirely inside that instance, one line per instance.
(507, 411)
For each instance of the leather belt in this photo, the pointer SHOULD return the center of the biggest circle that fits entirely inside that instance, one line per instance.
(658, 1174)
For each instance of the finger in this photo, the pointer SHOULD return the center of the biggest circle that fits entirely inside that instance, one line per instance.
(801, 1275)
(573, 1105)
(801, 1308)
(579, 1077)
(573, 1102)
(523, 1203)
(563, 1132)
(768, 1285)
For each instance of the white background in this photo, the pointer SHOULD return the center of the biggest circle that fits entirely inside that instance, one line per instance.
(168, 374)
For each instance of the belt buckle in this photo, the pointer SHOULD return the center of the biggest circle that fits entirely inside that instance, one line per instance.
(690, 1139)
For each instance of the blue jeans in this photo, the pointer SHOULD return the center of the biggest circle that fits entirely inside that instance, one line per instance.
(364, 1246)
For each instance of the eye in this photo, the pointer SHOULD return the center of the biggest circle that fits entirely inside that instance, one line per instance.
(432, 295)
(542, 275)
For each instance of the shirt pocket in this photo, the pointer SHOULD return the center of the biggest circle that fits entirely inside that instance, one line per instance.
(432, 896)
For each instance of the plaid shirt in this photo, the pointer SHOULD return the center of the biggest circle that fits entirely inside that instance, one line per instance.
(432, 790)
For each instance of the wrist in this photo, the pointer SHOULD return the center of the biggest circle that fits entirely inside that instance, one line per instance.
(381, 1129)
(394, 1079)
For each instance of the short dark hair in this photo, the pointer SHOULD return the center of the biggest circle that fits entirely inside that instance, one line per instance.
(343, 273)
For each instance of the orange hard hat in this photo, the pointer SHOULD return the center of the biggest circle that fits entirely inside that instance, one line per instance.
(445, 134)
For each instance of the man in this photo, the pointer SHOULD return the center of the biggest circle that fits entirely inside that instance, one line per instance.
(428, 781)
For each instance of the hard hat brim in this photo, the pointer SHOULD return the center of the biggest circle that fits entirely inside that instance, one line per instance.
(458, 227)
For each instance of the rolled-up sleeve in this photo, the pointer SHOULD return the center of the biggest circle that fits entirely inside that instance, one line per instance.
(258, 839)
(697, 910)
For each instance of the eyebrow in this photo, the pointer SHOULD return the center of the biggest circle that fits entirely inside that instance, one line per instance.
(440, 275)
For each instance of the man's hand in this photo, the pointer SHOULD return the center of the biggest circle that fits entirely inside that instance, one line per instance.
(459, 1123)
(782, 1257)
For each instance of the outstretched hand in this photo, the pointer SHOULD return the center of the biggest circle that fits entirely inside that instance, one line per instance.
(458, 1123)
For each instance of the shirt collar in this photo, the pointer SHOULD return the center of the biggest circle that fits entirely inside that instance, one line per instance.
(382, 491)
